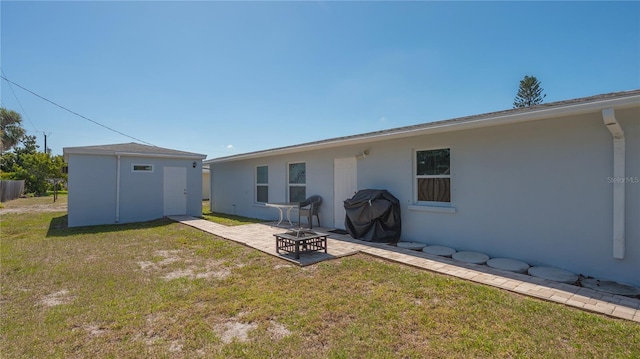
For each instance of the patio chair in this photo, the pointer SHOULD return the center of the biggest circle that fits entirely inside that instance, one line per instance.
(309, 208)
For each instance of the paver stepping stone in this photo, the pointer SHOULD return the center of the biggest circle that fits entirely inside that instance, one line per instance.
(554, 274)
(439, 250)
(411, 245)
(508, 264)
(471, 257)
(610, 287)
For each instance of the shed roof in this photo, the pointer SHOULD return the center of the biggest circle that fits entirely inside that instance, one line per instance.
(130, 149)
(617, 100)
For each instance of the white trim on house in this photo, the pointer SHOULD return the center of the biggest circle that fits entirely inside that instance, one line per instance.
(609, 118)
(618, 100)
(432, 208)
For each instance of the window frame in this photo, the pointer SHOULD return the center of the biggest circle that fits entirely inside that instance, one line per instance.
(416, 177)
(289, 184)
(134, 170)
(257, 184)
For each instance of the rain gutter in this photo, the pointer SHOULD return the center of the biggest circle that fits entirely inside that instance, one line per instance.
(618, 180)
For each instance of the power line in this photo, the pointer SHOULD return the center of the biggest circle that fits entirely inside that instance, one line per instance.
(23, 111)
(75, 113)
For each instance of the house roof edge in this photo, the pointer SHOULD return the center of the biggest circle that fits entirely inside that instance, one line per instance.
(130, 149)
(617, 100)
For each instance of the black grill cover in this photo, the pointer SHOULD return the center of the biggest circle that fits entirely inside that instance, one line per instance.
(373, 215)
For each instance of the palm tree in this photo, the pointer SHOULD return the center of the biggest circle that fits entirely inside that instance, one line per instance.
(11, 131)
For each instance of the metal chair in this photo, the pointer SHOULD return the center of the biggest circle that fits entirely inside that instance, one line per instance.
(309, 208)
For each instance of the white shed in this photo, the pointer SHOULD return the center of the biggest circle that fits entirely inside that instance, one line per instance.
(130, 182)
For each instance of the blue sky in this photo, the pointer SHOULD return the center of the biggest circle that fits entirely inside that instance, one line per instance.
(222, 78)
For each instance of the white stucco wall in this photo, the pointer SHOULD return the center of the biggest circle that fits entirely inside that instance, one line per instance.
(537, 191)
(206, 192)
(233, 183)
(92, 189)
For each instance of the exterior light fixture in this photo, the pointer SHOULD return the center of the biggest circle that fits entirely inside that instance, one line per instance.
(362, 154)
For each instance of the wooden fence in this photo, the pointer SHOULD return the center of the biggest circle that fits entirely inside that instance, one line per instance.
(11, 189)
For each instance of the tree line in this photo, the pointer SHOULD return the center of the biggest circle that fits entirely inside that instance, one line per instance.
(20, 159)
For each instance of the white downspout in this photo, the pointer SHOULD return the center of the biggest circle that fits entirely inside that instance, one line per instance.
(609, 117)
(118, 190)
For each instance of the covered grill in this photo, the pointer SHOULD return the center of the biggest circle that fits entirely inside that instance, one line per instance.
(373, 215)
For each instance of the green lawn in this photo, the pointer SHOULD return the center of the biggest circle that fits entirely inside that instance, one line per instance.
(226, 219)
(47, 199)
(161, 289)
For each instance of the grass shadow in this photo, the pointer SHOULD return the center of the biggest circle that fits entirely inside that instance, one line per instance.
(59, 227)
(56, 223)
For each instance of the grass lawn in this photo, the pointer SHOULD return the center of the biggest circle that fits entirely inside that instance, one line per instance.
(161, 289)
(47, 200)
(226, 219)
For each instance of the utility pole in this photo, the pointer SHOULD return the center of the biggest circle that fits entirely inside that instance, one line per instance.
(46, 149)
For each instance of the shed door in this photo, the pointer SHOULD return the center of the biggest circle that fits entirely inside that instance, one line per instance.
(345, 185)
(175, 191)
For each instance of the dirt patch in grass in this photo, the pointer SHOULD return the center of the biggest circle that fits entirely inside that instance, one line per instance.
(57, 298)
(278, 266)
(196, 269)
(237, 328)
(193, 272)
(234, 330)
(92, 329)
(163, 259)
(278, 331)
(175, 347)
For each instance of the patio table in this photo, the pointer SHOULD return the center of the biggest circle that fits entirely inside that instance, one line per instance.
(282, 206)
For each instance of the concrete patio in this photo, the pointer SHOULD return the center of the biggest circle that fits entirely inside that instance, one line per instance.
(260, 236)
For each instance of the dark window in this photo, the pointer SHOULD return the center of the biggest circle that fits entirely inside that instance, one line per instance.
(262, 184)
(297, 182)
(433, 175)
(142, 168)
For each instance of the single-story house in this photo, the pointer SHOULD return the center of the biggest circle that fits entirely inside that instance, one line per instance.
(557, 184)
(130, 182)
